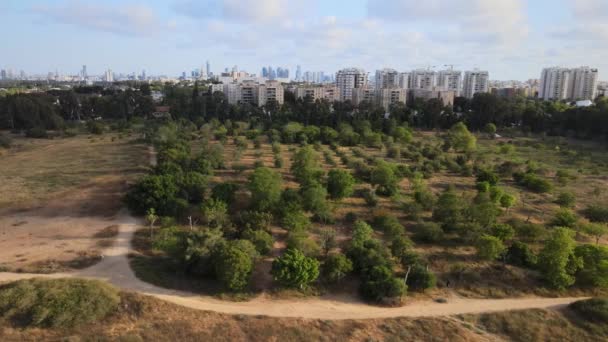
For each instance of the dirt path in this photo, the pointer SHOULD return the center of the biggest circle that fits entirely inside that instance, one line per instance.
(115, 269)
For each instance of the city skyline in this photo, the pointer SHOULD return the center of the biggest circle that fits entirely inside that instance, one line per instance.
(512, 40)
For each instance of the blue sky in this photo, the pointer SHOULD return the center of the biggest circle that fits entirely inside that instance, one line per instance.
(513, 39)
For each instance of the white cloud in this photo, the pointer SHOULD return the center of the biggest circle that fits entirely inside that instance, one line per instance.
(123, 19)
(240, 10)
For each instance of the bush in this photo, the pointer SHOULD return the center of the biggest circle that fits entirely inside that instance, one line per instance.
(566, 200)
(295, 220)
(224, 192)
(535, 183)
(502, 231)
(5, 140)
(379, 284)
(37, 133)
(487, 176)
(593, 310)
(95, 127)
(234, 264)
(429, 232)
(265, 186)
(520, 254)
(564, 218)
(489, 247)
(340, 183)
(57, 303)
(370, 197)
(390, 225)
(336, 267)
(262, 240)
(294, 269)
(301, 241)
(596, 213)
(420, 278)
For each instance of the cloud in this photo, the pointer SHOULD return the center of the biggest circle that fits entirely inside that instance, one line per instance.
(122, 19)
(243, 10)
(484, 21)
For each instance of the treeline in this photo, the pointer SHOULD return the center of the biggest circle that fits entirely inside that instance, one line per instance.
(55, 109)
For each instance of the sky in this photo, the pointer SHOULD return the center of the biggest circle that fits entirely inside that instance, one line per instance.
(512, 39)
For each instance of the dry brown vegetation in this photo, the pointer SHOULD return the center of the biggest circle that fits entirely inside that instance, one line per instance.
(59, 197)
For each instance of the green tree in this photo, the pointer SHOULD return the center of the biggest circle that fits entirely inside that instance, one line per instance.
(361, 232)
(305, 166)
(215, 214)
(379, 284)
(262, 240)
(564, 218)
(328, 240)
(556, 260)
(566, 199)
(489, 247)
(460, 139)
(507, 201)
(151, 218)
(420, 278)
(234, 265)
(449, 209)
(594, 270)
(265, 186)
(429, 232)
(502, 231)
(520, 254)
(340, 183)
(597, 230)
(384, 178)
(336, 267)
(294, 269)
(490, 129)
(314, 197)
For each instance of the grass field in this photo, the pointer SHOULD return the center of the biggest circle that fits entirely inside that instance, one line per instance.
(59, 197)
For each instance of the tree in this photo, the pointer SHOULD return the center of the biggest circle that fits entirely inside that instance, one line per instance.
(564, 218)
(300, 240)
(400, 246)
(490, 129)
(224, 192)
(305, 166)
(340, 183)
(215, 214)
(380, 284)
(596, 213)
(295, 220)
(328, 240)
(502, 231)
(566, 199)
(556, 260)
(234, 264)
(314, 197)
(361, 233)
(420, 278)
(489, 247)
(429, 232)
(262, 240)
(597, 230)
(336, 267)
(198, 249)
(151, 217)
(294, 269)
(449, 209)
(594, 270)
(507, 201)
(384, 178)
(460, 139)
(265, 186)
(520, 254)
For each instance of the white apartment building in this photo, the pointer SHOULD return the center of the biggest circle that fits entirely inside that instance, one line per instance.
(387, 78)
(475, 81)
(254, 93)
(423, 79)
(271, 91)
(568, 84)
(385, 97)
(349, 79)
(404, 80)
(450, 80)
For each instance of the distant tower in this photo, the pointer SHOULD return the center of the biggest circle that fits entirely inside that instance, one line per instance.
(83, 73)
(208, 71)
(298, 73)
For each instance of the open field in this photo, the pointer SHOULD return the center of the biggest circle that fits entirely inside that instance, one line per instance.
(142, 318)
(59, 197)
(451, 260)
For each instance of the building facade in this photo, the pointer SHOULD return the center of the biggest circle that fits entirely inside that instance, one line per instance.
(386, 97)
(450, 80)
(475, 81)
(423, 79)
(558, 83)
(349, 79)
(387, 78)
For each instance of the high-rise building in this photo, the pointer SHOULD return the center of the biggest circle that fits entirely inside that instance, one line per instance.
(349, 79)
(83, 73)
(385, 97)
(584, 83)
(364, 93)
(423, 79)
(298, 73)
(475, 81)
(3, 74)
(108, 76)
(450, 80)
(387, 78)
(264, 72)
(208, 69)
(568, 84)
(404, 80)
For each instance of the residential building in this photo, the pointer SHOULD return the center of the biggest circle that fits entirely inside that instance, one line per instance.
(446, 96)
(387, 78)
(361, 94)
(108, 76)
(271, 91)
(385, 97)
(423, 79)
(450, 80)
(349, 79)
(404, 80)
(317, 92)
(558, 83)
(475, 81)
(252, 92)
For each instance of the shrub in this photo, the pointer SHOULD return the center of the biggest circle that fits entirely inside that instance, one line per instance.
(420, 278)
(379, 284)
(301, 241)
(400, 246)
(596, 213)
(370, 197)
(224, 192)
(314, 197)
(336, 267)
(262, 240)
(429, 232)
(36, 133)
(294, 269)
(593, 310)
(57, 303)
(234, 264)
(502, 231)
(265, 186)
(555, 260)
(564, 218)
(390, 225)
(520, 254)
(95, 127)
(295, 220)
(566, 199)
(339, 183)
(487, 176)
(489, 247)
(535, 183)
(361, 233)
(593, 271)
(384, 177)
(5, 140)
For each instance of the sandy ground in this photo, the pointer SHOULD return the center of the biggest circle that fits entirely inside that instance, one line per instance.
(114, 268)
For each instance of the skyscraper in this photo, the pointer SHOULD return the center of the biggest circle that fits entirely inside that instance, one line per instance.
(3, 74)
(108, 76)
(83, 73)
(298, 73)
(208, 69)
(349, 79)
(568, 84)
(475, 81)
(423, 79)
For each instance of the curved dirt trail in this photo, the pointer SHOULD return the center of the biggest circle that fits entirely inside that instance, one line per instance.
(114, 268)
